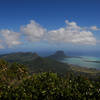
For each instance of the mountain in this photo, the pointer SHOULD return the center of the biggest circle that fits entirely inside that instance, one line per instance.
(58, 55)
(19, 56)
(37, 63)
(16, 83)
(46, 64)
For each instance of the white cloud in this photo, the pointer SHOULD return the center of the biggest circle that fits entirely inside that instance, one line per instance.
(1, 45)
(10, 38)
(33, 31)
(94, 28)
(72, 33)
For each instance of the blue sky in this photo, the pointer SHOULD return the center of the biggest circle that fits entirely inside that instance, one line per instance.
(54, 20)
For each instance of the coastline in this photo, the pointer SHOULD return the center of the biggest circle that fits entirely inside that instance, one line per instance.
(86, 70)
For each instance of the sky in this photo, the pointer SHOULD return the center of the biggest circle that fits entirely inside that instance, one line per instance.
(49, 25)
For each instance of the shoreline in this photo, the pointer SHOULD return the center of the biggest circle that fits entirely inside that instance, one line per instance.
(84, 69)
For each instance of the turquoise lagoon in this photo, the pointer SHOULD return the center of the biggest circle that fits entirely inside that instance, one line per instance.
(83, 61)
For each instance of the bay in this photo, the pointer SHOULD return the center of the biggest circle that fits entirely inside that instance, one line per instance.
(83, 61)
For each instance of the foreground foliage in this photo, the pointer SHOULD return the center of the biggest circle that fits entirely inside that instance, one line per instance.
(17, 84)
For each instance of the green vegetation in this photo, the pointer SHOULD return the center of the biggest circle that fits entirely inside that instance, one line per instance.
(36, 63)
(46, 65)
(16, 83)
(19, 56)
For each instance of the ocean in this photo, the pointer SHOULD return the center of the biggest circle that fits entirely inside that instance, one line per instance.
(83, 61)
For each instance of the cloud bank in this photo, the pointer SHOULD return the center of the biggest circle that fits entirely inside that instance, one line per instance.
(33, 32)
(9, 38)
(72, 33)
(94, 28)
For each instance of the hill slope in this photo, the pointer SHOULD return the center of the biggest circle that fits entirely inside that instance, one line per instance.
(19, 56)
(37, 63)
(46, 64)
(17, 84)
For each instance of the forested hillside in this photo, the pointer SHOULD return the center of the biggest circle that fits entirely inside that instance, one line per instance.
(16, 83)
(51, 63)
(36, 63)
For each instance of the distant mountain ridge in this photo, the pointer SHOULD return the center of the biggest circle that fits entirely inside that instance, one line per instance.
(19, 56)
(58, 55)
(36, 63)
